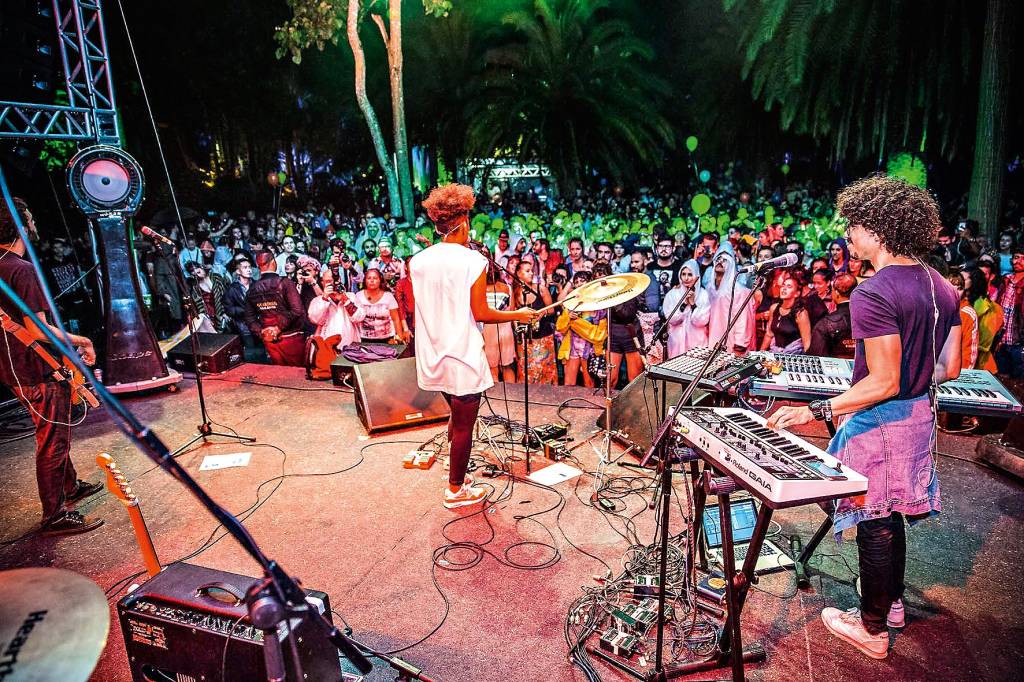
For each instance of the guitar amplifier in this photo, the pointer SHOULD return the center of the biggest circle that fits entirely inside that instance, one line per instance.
(176, 627)
(217, 353)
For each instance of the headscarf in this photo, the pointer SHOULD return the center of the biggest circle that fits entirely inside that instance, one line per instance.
(694, 267)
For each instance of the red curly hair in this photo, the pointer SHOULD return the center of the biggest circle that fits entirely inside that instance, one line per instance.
(448, 203)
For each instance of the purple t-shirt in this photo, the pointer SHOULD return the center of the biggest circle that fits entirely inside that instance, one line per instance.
(898, 300)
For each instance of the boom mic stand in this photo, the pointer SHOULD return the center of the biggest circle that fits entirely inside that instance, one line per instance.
(525, 331)
(732, 645)
(205, 429)
(273, 601)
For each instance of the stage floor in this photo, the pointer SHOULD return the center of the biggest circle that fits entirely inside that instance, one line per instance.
(349, 520)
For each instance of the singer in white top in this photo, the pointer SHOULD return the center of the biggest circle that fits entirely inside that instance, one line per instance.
(449, 284)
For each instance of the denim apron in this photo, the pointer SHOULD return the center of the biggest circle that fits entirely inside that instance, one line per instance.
(890, 444)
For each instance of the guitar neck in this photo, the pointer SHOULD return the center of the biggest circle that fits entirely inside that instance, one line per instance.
(143, 538)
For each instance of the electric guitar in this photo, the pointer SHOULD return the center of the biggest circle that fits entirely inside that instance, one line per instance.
(117, 484)
(62, 371)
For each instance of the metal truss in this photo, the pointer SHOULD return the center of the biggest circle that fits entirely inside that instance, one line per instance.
(91, 110)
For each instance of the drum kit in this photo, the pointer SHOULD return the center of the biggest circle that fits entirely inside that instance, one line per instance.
(53, 625)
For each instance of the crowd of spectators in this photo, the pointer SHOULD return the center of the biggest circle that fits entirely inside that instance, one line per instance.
(279, 280)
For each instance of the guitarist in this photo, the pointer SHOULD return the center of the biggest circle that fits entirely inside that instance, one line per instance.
(32, 381)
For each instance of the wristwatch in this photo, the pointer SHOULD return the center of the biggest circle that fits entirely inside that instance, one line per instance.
(821, 410)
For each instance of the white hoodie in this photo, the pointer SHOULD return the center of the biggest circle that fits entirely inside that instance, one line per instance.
(688, 328)
(721, 302)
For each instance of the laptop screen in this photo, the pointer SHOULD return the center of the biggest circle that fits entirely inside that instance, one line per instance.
(744, 515)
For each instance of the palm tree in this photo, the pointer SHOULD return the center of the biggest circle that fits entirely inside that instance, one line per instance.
(570, 89)
(872, 77)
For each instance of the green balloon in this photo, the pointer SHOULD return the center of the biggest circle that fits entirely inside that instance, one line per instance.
(691, 143)
(705, 175)
(282, 177)
(700, 203)
(785, 169)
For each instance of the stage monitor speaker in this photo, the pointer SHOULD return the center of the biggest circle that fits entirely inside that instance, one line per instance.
(387, 397)
(217, 353)
(635, 410)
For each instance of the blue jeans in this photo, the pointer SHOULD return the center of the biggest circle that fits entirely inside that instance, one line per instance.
(1010, 360)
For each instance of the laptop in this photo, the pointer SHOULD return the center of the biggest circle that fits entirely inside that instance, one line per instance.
(744, 516)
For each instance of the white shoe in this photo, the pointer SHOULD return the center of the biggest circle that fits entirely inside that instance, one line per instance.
(896, 618)
(848, 625)
(466, 495)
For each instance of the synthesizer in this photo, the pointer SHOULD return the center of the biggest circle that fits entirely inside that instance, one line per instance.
(780, 469)
(808, 377)
(725, 370)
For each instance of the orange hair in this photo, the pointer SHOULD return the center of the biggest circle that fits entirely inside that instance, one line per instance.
(448, 203)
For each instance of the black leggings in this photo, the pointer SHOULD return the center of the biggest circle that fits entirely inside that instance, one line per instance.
(882, 549)
(464, 409)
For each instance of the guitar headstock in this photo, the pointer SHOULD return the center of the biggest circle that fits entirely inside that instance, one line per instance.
(117, 484)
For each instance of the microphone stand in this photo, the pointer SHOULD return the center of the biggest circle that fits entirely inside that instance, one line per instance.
(654, 337)
(526, 333)
(205, 429)
(659, 447)
(273, 601)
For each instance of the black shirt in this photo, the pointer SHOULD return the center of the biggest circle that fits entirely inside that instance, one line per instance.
(667, 276)
(24, 366)
(832, 336)
(273, 301)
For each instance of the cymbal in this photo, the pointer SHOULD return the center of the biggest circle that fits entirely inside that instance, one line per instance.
(60, 617)
(606, 292)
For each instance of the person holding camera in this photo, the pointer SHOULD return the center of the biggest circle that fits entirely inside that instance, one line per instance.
(345, 271)
(335, 314)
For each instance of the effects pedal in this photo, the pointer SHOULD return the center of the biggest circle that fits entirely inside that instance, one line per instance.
(544, 432)
(619, 643)
(419, 459)
(712, 587)
(555, 450)
(646, 586)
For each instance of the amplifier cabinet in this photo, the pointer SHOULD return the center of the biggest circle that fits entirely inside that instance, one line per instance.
(176, 627)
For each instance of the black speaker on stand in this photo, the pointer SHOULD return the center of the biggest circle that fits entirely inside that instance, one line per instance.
(107, 185)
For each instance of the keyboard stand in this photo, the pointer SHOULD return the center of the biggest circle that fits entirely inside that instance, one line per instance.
(737, 583)
(800, 562)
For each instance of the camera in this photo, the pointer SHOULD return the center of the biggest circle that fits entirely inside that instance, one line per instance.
(345, 258)
(558, 279)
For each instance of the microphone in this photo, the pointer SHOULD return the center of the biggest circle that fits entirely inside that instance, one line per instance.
(153, 234)
(786, 260)
(640, 351)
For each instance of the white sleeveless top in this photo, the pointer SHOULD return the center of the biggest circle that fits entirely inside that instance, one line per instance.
(449, 346)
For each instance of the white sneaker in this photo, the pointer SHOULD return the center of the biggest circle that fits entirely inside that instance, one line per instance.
(896, 618)
(466, 495)
(847, 625)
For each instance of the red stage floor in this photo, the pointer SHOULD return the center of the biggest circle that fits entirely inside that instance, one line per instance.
(349, 520)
